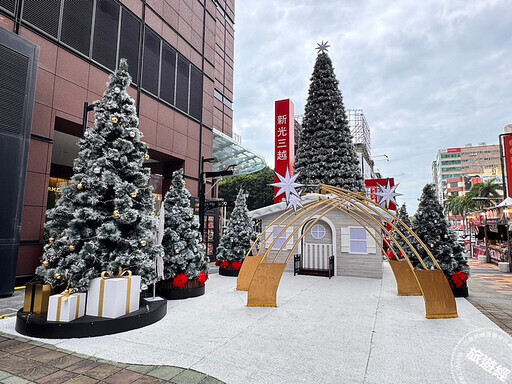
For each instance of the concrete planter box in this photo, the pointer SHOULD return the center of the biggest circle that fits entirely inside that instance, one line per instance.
(504, 266)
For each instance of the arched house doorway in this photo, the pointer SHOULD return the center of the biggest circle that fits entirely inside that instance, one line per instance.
(317, 245)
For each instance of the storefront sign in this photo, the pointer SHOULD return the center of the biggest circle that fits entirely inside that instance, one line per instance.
(453, 150)
(284, 150)
(507, 147)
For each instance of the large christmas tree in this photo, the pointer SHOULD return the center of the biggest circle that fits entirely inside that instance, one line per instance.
(237, 236)
(105, 218)
(431, 226)
(325, 153)
(184, 258)
(403, 215)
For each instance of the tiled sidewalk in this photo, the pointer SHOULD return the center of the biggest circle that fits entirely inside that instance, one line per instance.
(27, 361)
(23, 360)
(490, 291)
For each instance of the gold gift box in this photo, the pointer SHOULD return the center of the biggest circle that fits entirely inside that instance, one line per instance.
(37, 297)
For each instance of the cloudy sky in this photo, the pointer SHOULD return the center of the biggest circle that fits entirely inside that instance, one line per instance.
(428, 74)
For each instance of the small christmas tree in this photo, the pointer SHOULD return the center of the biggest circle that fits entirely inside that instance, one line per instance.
(431, 226)
(237, 236)
(404, 217)
(104, 219)
(325, 154)
(184, 258)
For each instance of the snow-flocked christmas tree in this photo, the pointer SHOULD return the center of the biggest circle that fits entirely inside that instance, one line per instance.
(184, 258)
(325, 153)
(105, 218)
(432, 228)
(237, 237)
(403, 215)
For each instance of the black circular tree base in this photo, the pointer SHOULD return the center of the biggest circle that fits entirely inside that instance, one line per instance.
(228, 272)
(86, 326)
(178, 294)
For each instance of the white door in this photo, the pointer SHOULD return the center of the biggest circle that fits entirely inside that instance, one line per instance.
(317, 246)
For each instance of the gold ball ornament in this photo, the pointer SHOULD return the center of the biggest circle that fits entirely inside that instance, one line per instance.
(72, 248)
(431, 245)
(133, 194)
(79, 186)
(183, 182)
(143, 243)
(191, 216)
(176, 251)
(114, 120)
(153, 214)
(115, 213)
(57, 276)
(146, 157)
(51, 240)
(45, 264)
(445, 236)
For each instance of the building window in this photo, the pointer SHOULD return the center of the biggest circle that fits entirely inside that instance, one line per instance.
(44, 15)
(104, 48)
(281, 234)
(318, 231)
(358, 240)
(76, 25)
(168, 77)
(129, 42)
(151, 65)
(8, 5)
(182, 84)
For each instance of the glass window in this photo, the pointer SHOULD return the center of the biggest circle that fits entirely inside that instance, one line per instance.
(44, 15)
(8, 5)
(76, 25)
(151, 61)
(104, 46)
(217, 95)
(168, 78)
(182, 84)
(196, 93)
(358, 240)
(280, 234)
(129, 42)
(318, 231)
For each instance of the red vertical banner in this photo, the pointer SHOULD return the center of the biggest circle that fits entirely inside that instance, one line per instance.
(507, 148)
(284, 148)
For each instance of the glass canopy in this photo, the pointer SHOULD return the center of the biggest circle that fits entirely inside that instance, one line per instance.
(228, 152)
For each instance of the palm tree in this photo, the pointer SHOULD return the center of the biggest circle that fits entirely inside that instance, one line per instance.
(486, 194)
(460, 206)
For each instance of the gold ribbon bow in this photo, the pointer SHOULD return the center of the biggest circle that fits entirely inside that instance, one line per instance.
(66, 293)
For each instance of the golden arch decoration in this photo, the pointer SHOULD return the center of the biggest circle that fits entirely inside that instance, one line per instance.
(261, 276)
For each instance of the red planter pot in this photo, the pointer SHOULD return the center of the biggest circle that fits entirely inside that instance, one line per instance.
(166, 289)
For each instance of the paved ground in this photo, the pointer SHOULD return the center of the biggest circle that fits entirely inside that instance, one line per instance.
(490, 291)
(340, 330)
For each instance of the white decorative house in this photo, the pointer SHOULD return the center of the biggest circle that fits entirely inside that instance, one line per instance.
(351, 236)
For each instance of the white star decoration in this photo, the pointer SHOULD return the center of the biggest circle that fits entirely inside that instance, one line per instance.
(322, 47)
(294, 202)
(287, 185)
(387, 195)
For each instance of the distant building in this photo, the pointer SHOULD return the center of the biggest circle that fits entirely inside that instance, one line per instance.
(454, 168)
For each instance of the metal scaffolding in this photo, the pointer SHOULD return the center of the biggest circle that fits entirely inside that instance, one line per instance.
(358, 127)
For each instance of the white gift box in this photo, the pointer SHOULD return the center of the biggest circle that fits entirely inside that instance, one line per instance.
(113, 297)
(64, 308)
